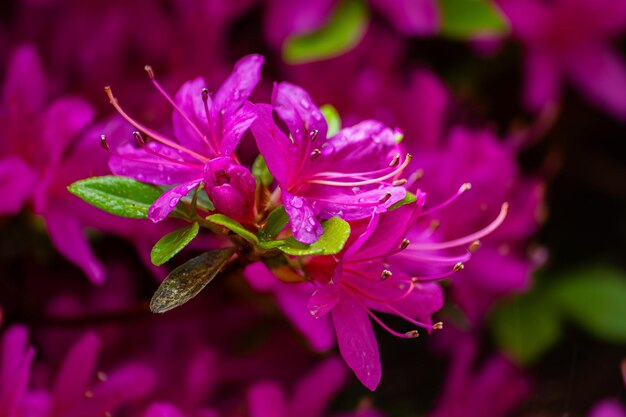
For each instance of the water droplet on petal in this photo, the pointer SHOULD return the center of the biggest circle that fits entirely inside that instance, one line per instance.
(305, 104)
(296, 201)
(174, 201)
(236, 94)
(317, 115)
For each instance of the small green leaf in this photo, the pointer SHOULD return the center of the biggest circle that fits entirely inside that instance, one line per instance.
(332, 119)
(342, 32)
(121, 196)
(233, 226)
(186, 281)
(172, 243)
(336, 233)
(408, 199)
(594, 298)
(526, 328)
(465, 19)
(261, 172)
(276, 221)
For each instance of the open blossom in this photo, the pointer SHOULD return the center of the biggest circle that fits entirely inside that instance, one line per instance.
(383, 271)
(349, 175)
(207, 131)
(570, 40)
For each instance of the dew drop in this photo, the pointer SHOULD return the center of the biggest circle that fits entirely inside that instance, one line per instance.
(297, 202)
(174, 201)
(305, 104)
(236, 94)
(317, 115)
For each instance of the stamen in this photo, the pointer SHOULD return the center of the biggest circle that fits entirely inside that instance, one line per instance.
(405, 244)
(385, 198)
(104, 143)
(395, 160)
(153, 134)
(315, 154)
(88, 394)
(313, 134)
(398, 183)
(180, 111)
(385, 274)
(391, 174)
(474, 246)
(412, 334)
(101, 376)
(141, 142)
(438, 326)
(469, 238)
(458, 267)
(463, 188)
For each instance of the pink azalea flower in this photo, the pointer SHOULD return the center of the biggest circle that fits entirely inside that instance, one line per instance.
(608, 408)
(570, 40)
(491, 388)
(383, 271)
(207, 131)
(349, 175)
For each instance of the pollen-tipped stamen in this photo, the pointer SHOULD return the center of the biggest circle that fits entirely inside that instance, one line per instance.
(462, 189)
(104, 143)
(151, 133)
(382, 178)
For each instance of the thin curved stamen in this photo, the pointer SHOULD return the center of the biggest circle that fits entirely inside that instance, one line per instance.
(469, 238)
(406, 292)
(438, 277)
(391, 174)
(413, 321)
(359, 175)
(462, 189)
(180, 111)
(153, 134)
(418, 255)
(408, 335)
(207, 114)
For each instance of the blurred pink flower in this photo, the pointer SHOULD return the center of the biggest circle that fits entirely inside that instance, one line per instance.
(570, 40)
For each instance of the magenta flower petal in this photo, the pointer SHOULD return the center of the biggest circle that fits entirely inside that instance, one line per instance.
(25, 79)
(66, 233)
(323, 300)
(15, 361)
(273, 144)
(306, 228)
(601, 75)
(608, 408)
(76, 371)
(164, 205)
(17, 180)
(235, 126)
(543, 80)
(144, 165)
(238, 86)
(357, 342)
(162, 410)
(63, 120)
(294, 105)
(266, 399)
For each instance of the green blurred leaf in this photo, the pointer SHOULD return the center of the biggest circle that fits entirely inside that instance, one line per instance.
(595, 299)
(276, 221)
(332, 119)
(121, 196)
(233, 226)
(336, 233)
(408, 199)
(526, 328)
(465, 19)
(186, 281)
(172, 243)
(342, 32)
(261, 172)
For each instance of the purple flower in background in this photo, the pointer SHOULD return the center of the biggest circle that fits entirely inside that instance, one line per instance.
(349, 175)
(16, 357)
(608, 408)
(570, 39)
(491, 388)
(207, 131)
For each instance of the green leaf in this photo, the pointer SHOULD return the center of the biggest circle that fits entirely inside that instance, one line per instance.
(332, 119)
(526, 328)
(336, 233)
(465, 19)
(121, 196)
(172, 243)
(276, 221)
(595, 299)
(186, 281)
(233, 226)
(260, 171)
(342, 32)
(408, 199)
